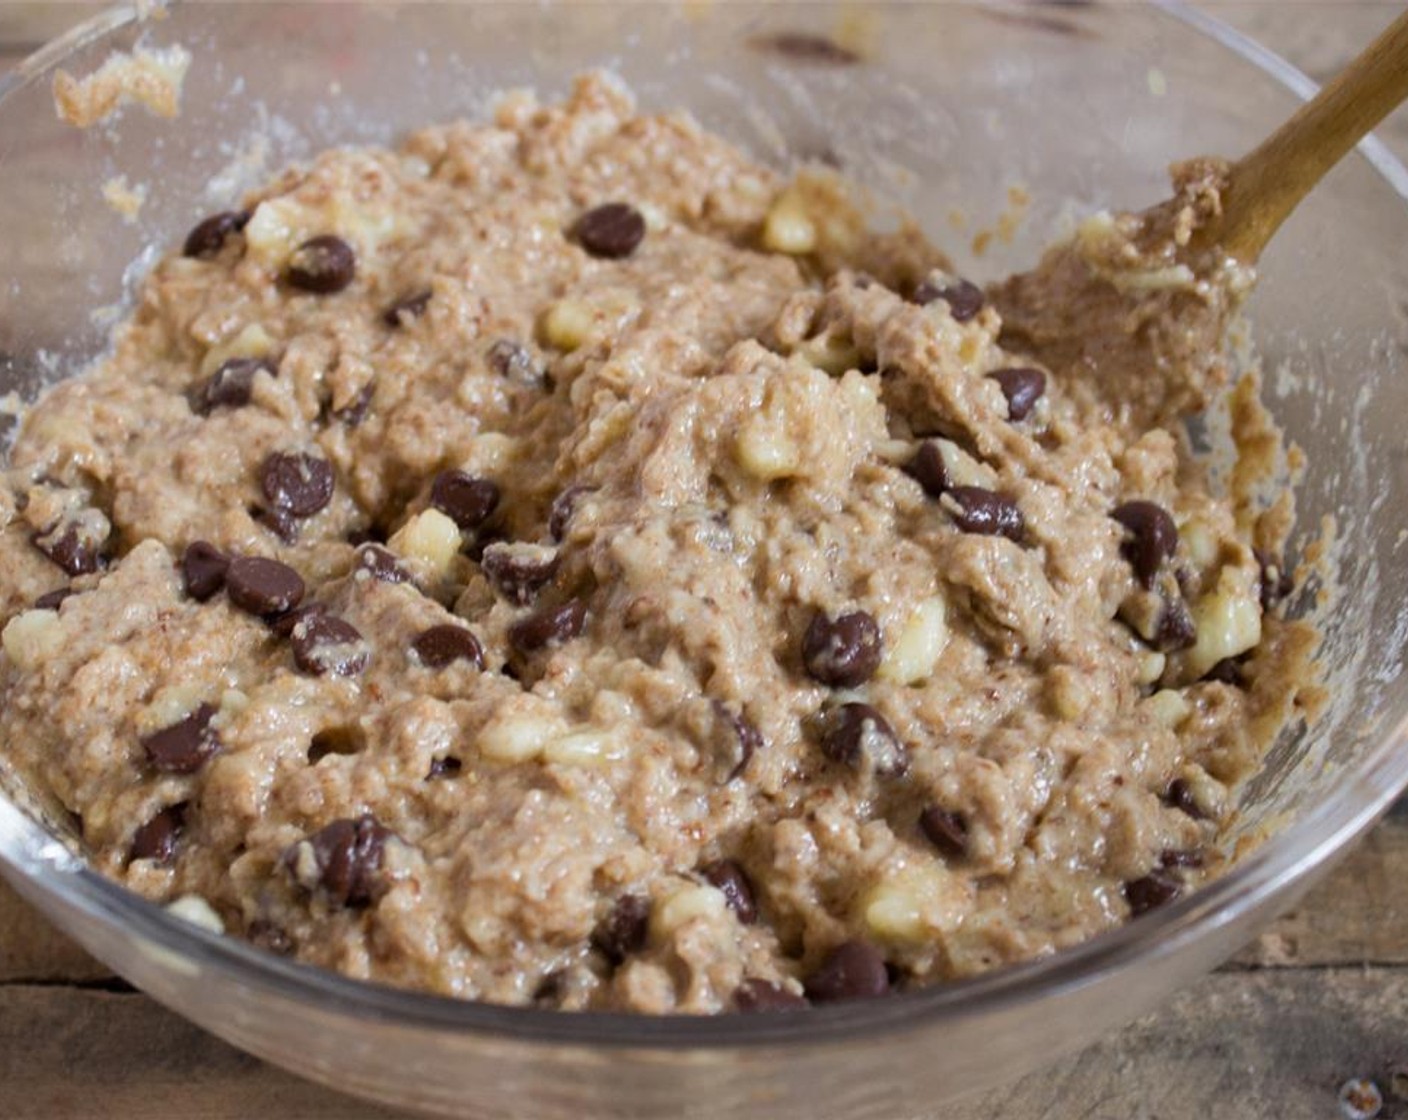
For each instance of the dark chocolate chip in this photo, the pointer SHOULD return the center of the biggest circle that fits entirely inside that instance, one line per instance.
(73, 550)
(516, 362)
(296, 483)
(964, 298)
(858, 736)
(1179, 795)
(947, 831)
(625, 930)
(381, 564)
(843, 652)
(1155, 889)
(324, 643)
(355, 411)
(464, 499)
(1227, 671)
(1023, 386)
(347, 855)
(284, 624)
(730, 878)
(52, 600)
(445, 644)
(1276, 581)
(852, 970)
(279, 522)
(518, 571)
(203, 568)
(986, 512)
(742, 740)
(157, 838)
(231, 385)
(448, 767)
(208, 237)
(322, 265)
(366, 534)
(548, 626)
(263, 587)
(1172, 857)
(612, 230)
(406, 311)
(269, 937)
(928, 469)
(563, 507)
(754, 995)
(1153, 538)
(184, 747)
(1175, 629)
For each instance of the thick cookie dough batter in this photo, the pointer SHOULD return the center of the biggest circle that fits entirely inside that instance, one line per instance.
(560, 562)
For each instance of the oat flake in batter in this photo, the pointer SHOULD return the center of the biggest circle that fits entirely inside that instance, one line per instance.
(559, 562)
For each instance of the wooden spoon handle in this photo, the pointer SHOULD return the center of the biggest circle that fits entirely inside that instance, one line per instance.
(1269, 182)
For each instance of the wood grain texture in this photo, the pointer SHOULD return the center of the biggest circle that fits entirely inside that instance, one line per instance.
(1321, 997)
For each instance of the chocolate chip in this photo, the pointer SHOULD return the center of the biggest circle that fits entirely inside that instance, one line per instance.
(203, 568)
(548, 626)
(742, 740)
(231, 385)
(52, 600)
(852, 970)
(324, 643)
(518, 571)
(208, 237)
(1155, 889)
(296, 483)
(1172, 857)
(755, 995)
(283, 625)
(279, 522)
(464, 499)
(406, 311)
(71, 548)
(445, 644)
(263, 587)
(157, 838)
(624, 931)
(612, 230)
(730, 878)
(858, 736)
(843, 652)
(1023, 386)
(322, 265)
(563, 507)
(355, 411)
(1175, 630)
(947, 831)
(1179, 795)
(448, 767)
(964, 299)
(985, 512)
(346, 860)
(269, 937)
(1227, 671)
(1276, 581)
(929, 470)
(184, 747)
(381, 564)
(516, 362)
(1153, 537)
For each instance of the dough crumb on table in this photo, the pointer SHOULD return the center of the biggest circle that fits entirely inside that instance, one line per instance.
(561, 562)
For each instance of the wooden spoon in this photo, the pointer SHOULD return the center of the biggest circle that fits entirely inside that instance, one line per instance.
(1270, 181)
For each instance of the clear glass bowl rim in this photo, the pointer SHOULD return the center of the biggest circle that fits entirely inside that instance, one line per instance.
(1359, 797)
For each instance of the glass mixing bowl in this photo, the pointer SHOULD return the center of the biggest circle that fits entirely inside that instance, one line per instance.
(937, 107)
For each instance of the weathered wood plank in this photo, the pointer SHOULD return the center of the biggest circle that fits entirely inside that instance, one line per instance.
(1233, 1047)
(31, 949)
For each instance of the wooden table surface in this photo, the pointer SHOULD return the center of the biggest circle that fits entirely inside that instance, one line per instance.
(1320, 998)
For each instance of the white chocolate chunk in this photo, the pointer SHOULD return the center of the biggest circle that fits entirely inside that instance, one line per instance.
(788, 228)
(430, 537)
(31, 637)
(585, 748)
(1168, 707)
(765, 449)
(252, 342)
(690, 902)
(194, 909)
(518, 737)
(912, 905)
(1228, 622)
(567, 324)
(911, 658)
